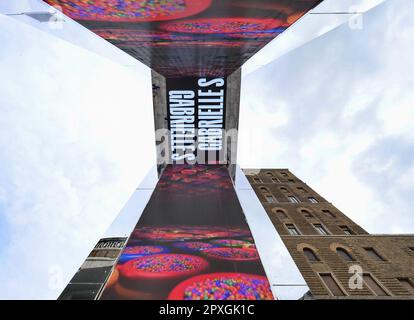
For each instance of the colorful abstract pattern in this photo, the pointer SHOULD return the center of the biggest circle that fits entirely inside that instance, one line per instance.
(204, 179)
(130, 10)
(192, 226)
(136, 35)
(232, 243)
(132, 252)
(143, 250)
(223, 286)
(222, 25)
(163, 266)
(156, 32)
(194, 246)
(173, 233)
(232, 254)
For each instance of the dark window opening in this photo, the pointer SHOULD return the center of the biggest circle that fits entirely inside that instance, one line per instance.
(344, 254)
(301, 189)
(332, 285)
(373, 285)
(310, 255)
(307, 214)
(373, 254)
(329, 213)
(346, 230)
(281, 214)
(407, 284)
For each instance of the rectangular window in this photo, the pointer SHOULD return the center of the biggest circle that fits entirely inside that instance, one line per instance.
(293, 199)
(312, 200)
(292, 230)
(373, 254)
(333, 287)
(373, 285)
(275, 180)
(321, 229)
(257, 180)
(346, 230)
(270, 199)
(407, 284)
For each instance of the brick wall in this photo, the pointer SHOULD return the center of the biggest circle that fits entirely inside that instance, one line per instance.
(274, 186)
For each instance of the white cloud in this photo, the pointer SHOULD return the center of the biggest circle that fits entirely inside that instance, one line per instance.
(346, 128)
(76, 138)
(310, 27)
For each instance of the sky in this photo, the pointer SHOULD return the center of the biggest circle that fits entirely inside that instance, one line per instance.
(76, 137)
(336, 111)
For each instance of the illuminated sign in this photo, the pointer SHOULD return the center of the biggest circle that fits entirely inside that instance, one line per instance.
(196, 110)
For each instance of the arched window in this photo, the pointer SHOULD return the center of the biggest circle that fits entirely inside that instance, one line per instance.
(344, 254)
(264, 190)
(306, 213)
(281, 214)
(267, 195)
(269, 174)
(310, 255)
(284, 190)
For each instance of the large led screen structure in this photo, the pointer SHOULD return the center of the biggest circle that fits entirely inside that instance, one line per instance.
(187, 37)
(192, 242)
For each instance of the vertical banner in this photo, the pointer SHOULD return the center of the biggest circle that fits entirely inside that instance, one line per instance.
(192, 242)
(196, 114)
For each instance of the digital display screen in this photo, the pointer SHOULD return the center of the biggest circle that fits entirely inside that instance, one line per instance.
(192, 242)
(180, 38)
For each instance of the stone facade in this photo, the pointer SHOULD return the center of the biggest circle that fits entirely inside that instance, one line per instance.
(337, 258)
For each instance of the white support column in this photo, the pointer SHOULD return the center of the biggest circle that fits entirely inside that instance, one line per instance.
(126, 220)
(283, 274)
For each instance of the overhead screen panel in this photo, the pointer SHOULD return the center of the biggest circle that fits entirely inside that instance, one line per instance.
(187, 37)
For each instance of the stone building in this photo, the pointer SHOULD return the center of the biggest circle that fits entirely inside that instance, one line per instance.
(336, 256)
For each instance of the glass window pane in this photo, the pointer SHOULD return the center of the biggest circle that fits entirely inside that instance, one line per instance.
(292, 229)
(313, 200)
(293, 199)
(320, 229)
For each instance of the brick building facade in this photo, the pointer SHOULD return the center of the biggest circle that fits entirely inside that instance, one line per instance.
(337, 257)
